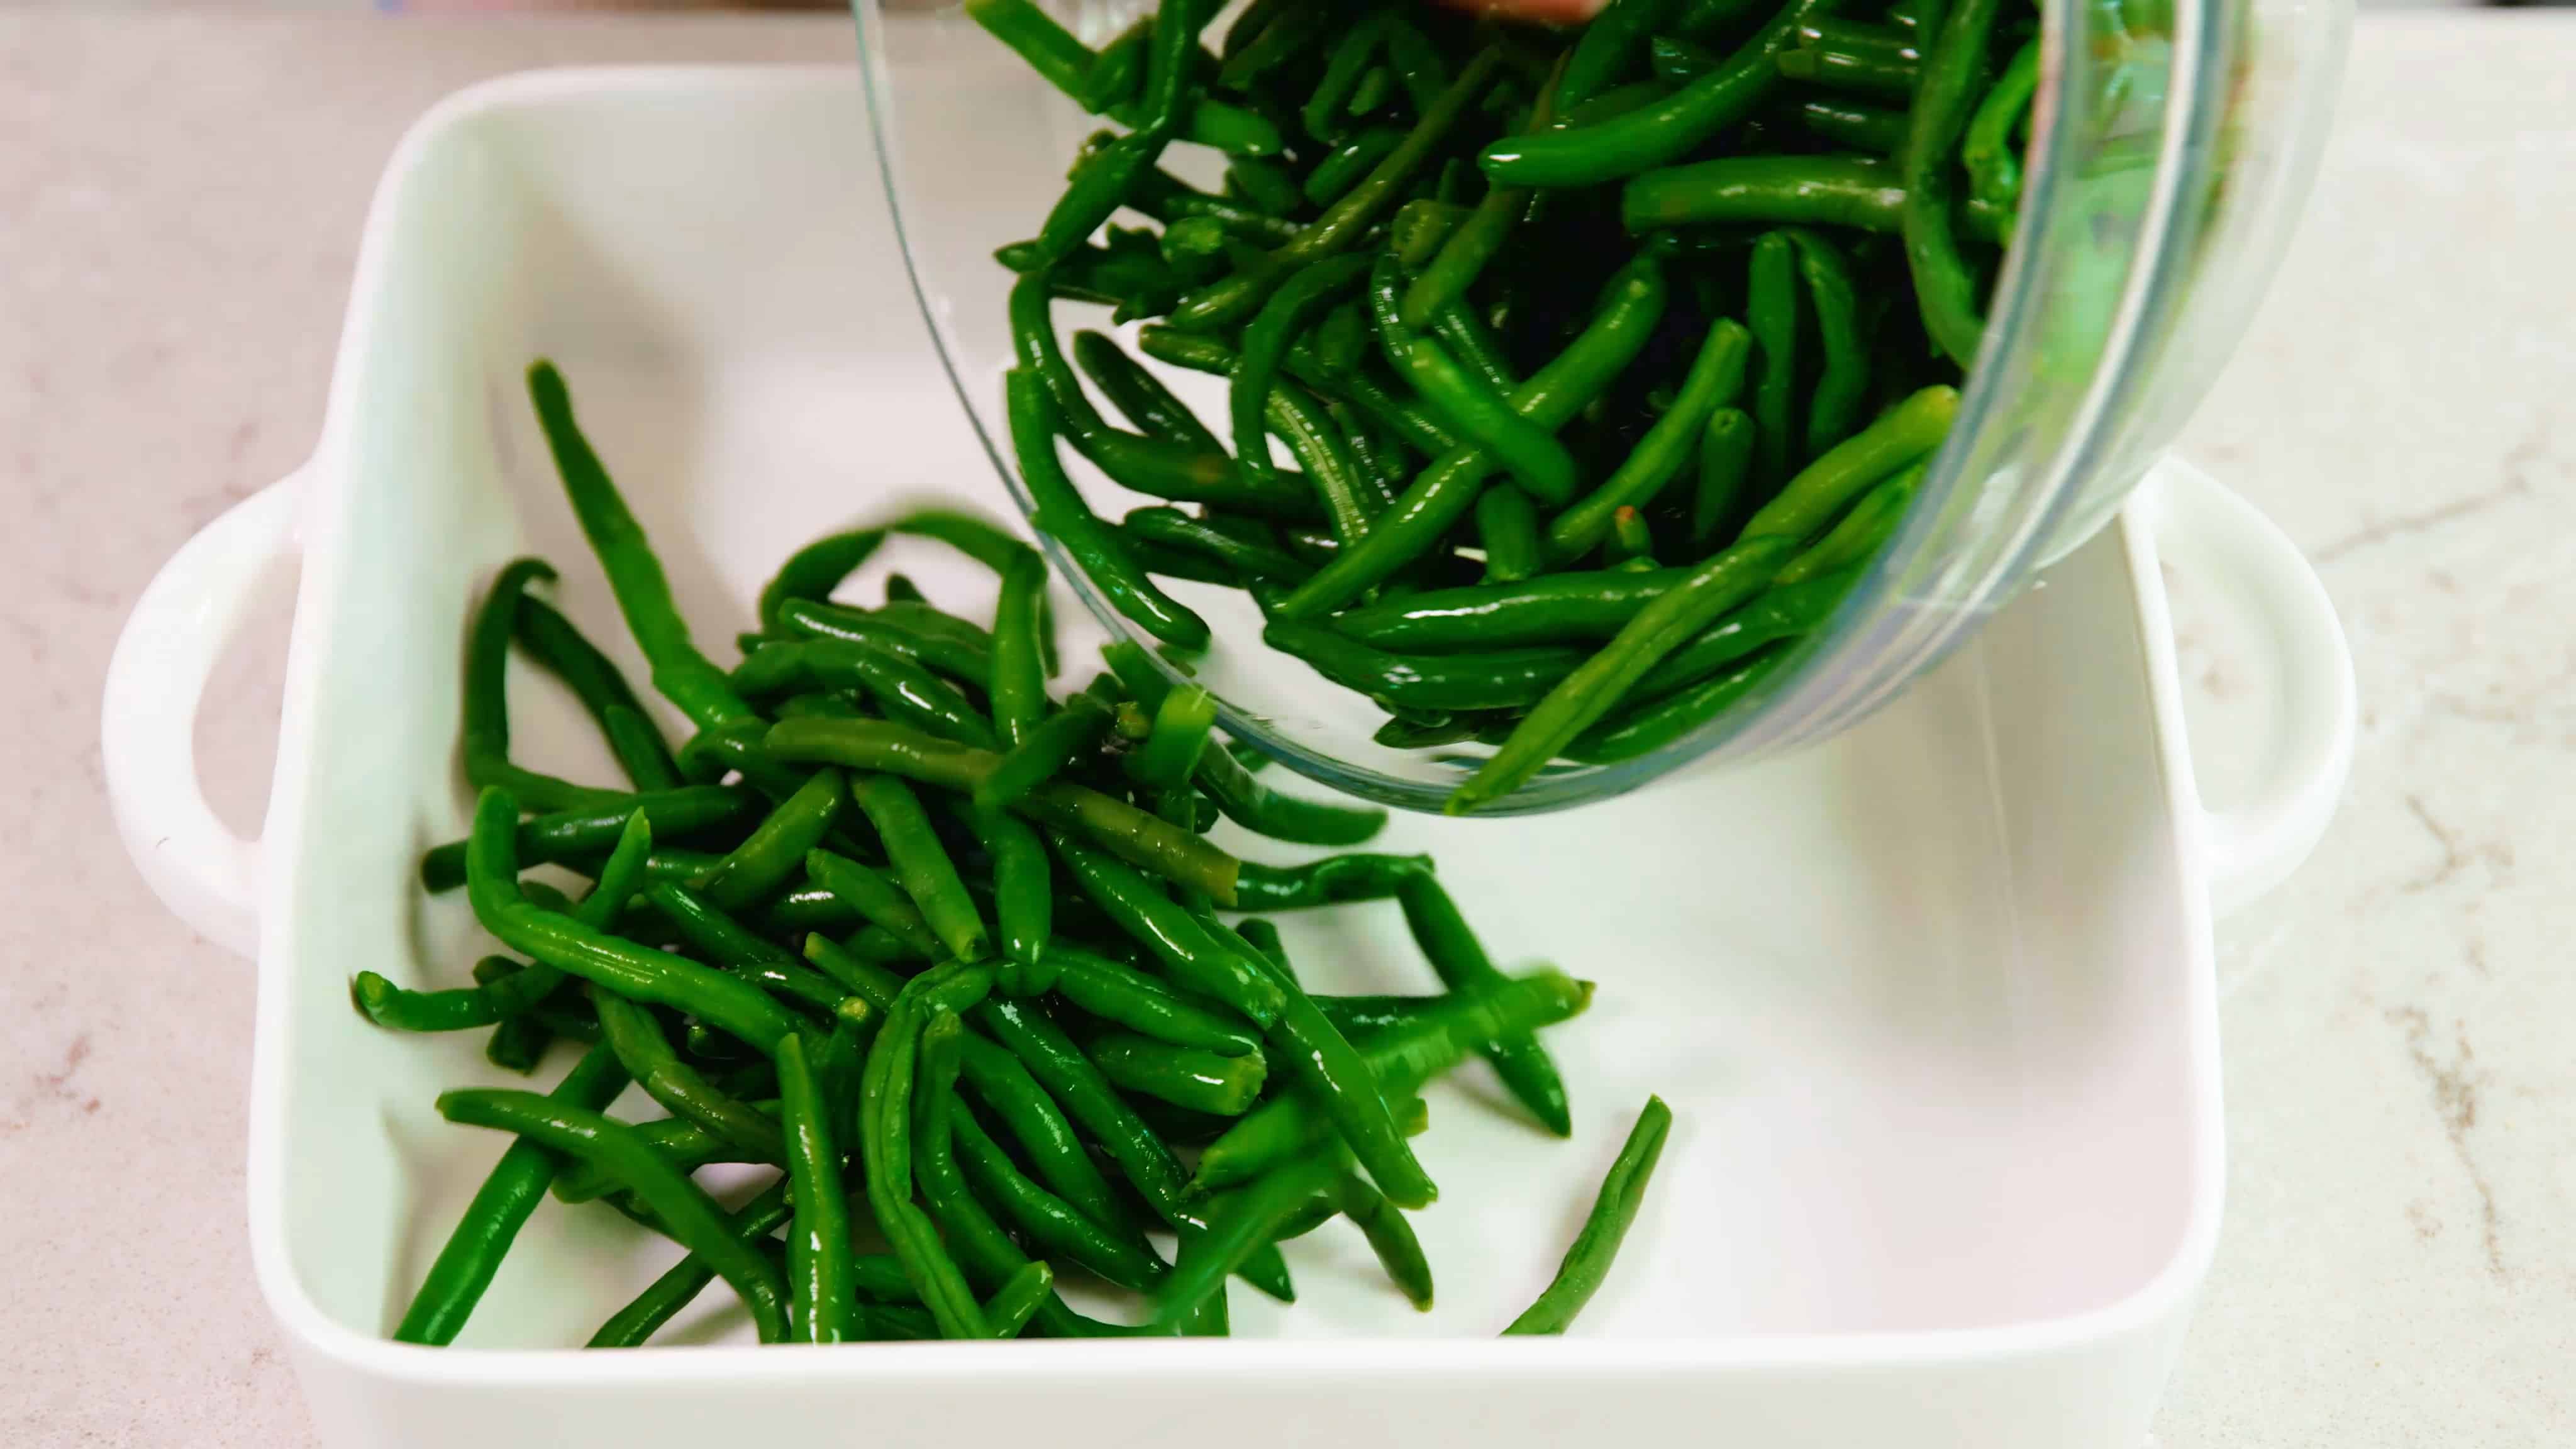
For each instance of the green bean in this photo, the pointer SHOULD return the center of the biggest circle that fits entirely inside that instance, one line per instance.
(1862, 71)
(1182, 723)
(1652, 725)
(885, 1141)
(1268, 185)
(569, 945)
(1433, 1042)
(1052, 746)
(1138, 393)
(1677, 61)
(519, 1043)
(1710, 589)
(874, 898)
(1986, 149)
(1945, 286)
(1345, 221)
(814, 571)
(1535, 459)
(708, 930)
(1338, 172)
(1783, 611)
(1608, 47)
(1445, 491)
(485, 730)
(1852, 124)
(922, 866)
(1201, 1080)
(659, 1303)
(1398, 1251)
(958, 658)
(1771, 307)
(1019, 1299)
(1350, 498)
(1459, 959)
(1420, 229)
(1125, 831)
(681, 814)
(472, 1254)
(1861, 533)
(775, 849)
(1060, 512)
(822, 1299)
(1854, 191)
(647, 1055)
(1350, 59)
(1505, 678)
(1905, 432)
(1715, 377)
(1507, 526)
(1328, 881)
(559, 648)
(1725, 463)
(1019, 667)
(1833, 410)
(1239, 1225)
(1587, 1262)
(1265, 346)
(1474, 345)
(1193, 957)
(1118, 993)
(677, 1202)
(1417, 63)
(1618, 101)
(684, 1144)
(1023, 882)
(1665, 131)
(1249, 557)
(684, 676)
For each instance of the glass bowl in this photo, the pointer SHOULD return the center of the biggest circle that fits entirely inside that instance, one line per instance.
(2171, 145)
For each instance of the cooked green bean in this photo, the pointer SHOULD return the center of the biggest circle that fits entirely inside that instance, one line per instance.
(1587, 1262)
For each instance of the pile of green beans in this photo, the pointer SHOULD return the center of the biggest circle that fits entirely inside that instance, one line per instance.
(966, 978)
(1572, 310)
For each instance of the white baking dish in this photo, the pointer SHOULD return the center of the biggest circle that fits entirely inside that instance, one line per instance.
(1932, 1003)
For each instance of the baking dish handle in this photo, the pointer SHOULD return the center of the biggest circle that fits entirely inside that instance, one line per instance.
(2259, 575)
(207, 875)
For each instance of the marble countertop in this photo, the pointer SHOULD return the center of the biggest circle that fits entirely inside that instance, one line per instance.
(2398, 1265)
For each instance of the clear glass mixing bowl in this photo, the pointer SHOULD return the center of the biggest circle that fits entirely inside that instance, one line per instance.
(2172, 145)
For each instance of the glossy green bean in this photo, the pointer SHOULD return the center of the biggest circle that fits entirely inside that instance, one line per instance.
(1588, 1261)
(1389, 1236)
(1725, 469)
(1182, 724)
(559, 648)
(822, 1298)
(1136, 392)
(1506, 678)
(1786, 610)
(875, 898)
(568, 945)
(1328, 881)
(1772, 310)
(1608, 47)
(1429, 1044)
(1290, 308)
(472, 1254)
(692, 811)
(1821, 491)
(775, 849)
(684, 676)
(1352, 54)
(680, 1204)
(646, 1052)
(1459, 959)
(1716, 376)
(1529, 452)
(1119, 993)
(814, 571)
(1239, 1225)
(1061, 513)
(1201, 1080)
(1833, 409)
(1445, 491)
(1853, 124)
(1651, 725)
(1048, 1223)
(886, 1141)
(1945, 285)
(1051, 747)
(921, 865)
(1249, 557)
(1131, 834)
(1864, 192)
(1863, 72)
(707, 929)
(1193, 957)
(1023, 881)
(662, 1301)
(1507, 527)
(1595, 687)
(957, 657)
(1861, 532)
(1986, 149)
(1658, 133)
(485, 727)
(1342, 169)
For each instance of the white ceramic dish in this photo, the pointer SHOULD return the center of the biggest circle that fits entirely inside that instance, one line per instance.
(1933, 1002)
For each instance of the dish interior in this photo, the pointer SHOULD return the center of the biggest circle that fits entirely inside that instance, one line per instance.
(1919, 998)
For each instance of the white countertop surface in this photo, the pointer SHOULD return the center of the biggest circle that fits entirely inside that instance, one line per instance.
(2398, 1265)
